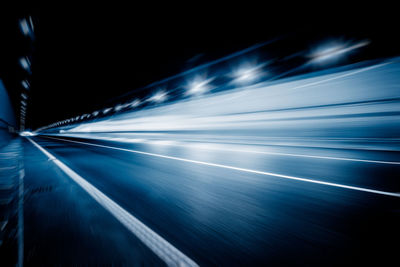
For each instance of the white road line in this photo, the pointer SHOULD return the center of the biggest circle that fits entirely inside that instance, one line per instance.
(167, 252)
(368, 190)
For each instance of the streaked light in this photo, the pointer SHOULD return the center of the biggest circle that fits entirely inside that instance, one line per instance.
(25, 84)
(247, 73)
(24, 96)
(25, 27)
(159, 97)
(27, 133)
(95, 113)
(106, 110)
(334, 51)
(24, 63)
(134, 103)
(198, 86)
(118, 107)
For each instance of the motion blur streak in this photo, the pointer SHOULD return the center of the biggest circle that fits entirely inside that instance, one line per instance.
(298, 171)
(242, 169)
(157, 244)
(361, 103)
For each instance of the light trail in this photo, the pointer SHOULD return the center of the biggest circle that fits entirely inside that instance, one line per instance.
(362, 189)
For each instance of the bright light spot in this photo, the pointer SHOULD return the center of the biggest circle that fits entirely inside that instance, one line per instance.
(27, 133)
(198, 86)
(248, 73)
(95, 113)
(333, 51)
(23, 24)
(25, 84)
(106, 110)
(23, 102)
(24, 96)
(118, 107)
(134, 103)
(24, 63)
(159, 97)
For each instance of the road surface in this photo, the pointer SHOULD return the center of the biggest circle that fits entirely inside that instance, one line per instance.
(215, 206)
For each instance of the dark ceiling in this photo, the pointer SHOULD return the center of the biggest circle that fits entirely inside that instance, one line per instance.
(82, 58)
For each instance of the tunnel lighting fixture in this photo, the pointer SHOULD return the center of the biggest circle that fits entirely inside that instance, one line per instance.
(24, 96)
(118, 107)
(333, 51)
(247, 73)
(24, 63)
(159, 97)
(26, 26)
(25, 84)
(95, 113)
(134, 103)
(106, 110)
(198, 86)
(27, 133)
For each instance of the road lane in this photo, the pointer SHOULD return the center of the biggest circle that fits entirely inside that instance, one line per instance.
(65, 226)
(220, 216)
(361, 174)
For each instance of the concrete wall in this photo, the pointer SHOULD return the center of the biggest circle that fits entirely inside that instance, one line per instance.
(7, 117)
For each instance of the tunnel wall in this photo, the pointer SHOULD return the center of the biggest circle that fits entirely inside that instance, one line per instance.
(7, 117)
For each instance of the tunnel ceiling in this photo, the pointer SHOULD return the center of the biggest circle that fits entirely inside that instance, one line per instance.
(82, 58)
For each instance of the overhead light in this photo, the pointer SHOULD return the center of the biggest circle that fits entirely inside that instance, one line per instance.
(247, 73)
(134, 103)
(24, 63)
(198, 86)
(159, 97)
(25, 84)
(106, 110)
(331, 51)
(118, 107)
(27, 133)
(26, 26)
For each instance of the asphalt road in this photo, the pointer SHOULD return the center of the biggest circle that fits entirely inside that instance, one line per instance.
(228, 207)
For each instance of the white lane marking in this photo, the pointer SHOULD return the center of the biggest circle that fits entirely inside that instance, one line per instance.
(368, 190)
(167, 252)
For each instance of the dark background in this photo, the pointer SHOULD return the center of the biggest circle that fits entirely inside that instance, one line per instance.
(84, 56)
